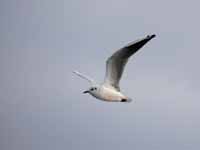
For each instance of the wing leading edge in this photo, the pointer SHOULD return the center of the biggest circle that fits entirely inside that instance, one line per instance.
(116, 63)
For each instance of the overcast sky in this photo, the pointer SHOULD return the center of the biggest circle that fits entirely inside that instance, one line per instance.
(41, 102)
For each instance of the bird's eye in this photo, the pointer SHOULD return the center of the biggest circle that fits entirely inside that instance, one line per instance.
(92, 89)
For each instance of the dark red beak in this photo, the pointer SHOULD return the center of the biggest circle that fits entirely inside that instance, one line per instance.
(86, 92)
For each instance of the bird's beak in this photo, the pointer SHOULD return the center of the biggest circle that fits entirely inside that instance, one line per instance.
(86, 92)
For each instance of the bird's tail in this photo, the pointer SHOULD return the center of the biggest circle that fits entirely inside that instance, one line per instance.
(129, 100)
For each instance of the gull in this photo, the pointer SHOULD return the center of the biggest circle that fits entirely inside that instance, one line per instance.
(109, 90)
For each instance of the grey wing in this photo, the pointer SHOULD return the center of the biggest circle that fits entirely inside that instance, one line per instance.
(116, 63)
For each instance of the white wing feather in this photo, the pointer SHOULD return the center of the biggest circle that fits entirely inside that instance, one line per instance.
(116, 63)
(84, 77)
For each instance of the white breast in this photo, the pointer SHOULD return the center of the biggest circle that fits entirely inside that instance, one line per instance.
(108, 94)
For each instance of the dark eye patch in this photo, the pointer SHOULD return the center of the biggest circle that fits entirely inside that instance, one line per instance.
(92, 89)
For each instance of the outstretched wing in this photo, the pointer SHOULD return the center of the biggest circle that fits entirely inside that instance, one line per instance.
(116, 63)
(84, 77)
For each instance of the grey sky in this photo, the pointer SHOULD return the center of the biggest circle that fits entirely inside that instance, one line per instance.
(41, 105)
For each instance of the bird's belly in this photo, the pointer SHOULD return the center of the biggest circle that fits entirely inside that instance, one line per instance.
(111, 96)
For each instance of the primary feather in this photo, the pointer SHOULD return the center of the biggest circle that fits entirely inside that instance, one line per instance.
(116, 63)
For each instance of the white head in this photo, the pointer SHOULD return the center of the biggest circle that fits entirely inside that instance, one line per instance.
(93, 90)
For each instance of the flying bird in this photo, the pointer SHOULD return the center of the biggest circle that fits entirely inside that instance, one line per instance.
(109, 90)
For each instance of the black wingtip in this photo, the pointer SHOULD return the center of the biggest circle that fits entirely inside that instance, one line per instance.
(151, 36)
